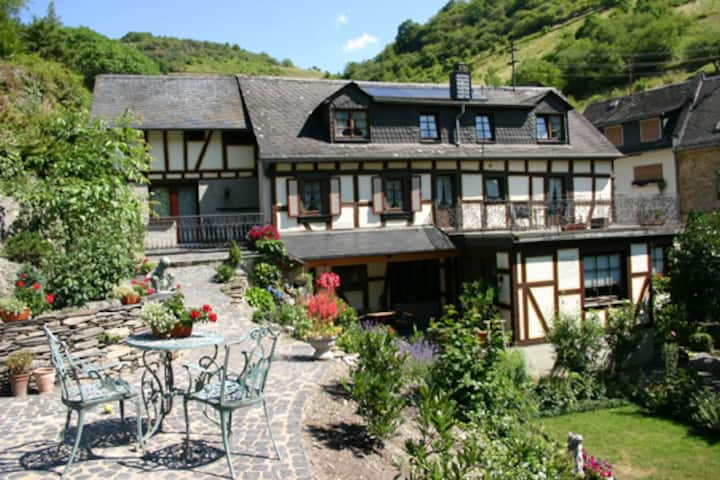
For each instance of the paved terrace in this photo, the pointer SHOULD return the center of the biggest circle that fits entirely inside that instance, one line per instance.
(30, 429)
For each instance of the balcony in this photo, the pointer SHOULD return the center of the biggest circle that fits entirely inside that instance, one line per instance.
(559, 215)
(199, 231)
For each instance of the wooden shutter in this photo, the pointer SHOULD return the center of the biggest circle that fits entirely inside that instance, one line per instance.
(415, 193)
(293, 198)
(334, 196)
(648, 173)
(650, 130)
(615, 134)
(377, 195)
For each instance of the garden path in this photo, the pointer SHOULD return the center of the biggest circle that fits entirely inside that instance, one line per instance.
(30, 428)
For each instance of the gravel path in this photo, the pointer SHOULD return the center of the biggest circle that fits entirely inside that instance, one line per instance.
(30, 428)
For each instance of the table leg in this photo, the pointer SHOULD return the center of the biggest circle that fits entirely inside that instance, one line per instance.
(157, 392)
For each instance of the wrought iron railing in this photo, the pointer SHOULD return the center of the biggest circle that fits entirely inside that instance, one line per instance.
(561, 214)
(199, 231)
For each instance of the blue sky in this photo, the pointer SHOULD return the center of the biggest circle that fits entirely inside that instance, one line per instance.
(322, 33)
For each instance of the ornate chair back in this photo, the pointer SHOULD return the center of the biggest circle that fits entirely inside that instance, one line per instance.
(257, 350)
(67, 370)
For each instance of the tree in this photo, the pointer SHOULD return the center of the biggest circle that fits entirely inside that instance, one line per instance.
(45, 36)
(9, 26)
(540, 72)
(705, 44)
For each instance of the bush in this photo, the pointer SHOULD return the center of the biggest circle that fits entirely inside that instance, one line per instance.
(266, 275)
(622, 336)
(701, 342)
(349, 339)
(234, 254)
(30, 289)
(262, 301)
(377, 382)
(577, 344)
(706, 411)
(27, 246)
(274, 251)
(224, 273)
(559, 395)
(421, 354)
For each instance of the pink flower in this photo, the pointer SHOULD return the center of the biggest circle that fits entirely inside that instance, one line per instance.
(20, 283)
(178, 286)
(150, 291)
(212, 317)
(673, 333)
(36, 286)
(134, 282)
(50, 298)
(206, 308)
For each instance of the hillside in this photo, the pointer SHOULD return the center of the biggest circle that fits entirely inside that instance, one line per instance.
(587, 48)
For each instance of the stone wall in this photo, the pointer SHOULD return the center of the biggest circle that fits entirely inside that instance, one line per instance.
(698, 171)
(8, 271)
(83, 331)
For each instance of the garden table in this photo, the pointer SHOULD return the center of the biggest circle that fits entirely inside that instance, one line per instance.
(157, 383)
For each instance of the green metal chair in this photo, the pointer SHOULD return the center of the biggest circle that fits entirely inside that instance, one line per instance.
(85, 386)
(224, 391)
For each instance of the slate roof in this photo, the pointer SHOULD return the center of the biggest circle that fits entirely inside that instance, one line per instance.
(280, 109)
(171, 101)
(365, 243)
(702, 126)
(636, 106)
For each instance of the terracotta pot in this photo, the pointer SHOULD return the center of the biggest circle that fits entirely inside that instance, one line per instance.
(323, 347)
(15, 317)
(181, 331)
(130, 300)
(482, 335)
(157, 334)
(45, 379)
(19, 384)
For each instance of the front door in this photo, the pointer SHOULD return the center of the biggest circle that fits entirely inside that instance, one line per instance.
(180, 202)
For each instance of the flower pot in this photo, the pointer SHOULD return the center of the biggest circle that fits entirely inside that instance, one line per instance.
(130, 300)
(323, 347)
(482, 335)
(15, 317)
(45, 379)
(19, 384)
(573, 226)
(181, 331)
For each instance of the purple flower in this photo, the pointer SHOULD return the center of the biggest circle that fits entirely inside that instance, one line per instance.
(422, 350)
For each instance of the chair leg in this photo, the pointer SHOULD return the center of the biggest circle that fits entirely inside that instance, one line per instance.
(139, 415)
(224, 423)
(65, 430)
(267, 420)
(78, 437)
(187, 428)
(122, 411)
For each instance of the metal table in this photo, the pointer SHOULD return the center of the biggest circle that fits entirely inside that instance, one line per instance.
(158, 382)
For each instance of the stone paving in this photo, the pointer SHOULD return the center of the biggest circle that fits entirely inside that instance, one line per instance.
(30, 428)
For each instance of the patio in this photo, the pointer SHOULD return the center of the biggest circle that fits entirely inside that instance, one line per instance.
(31, 427)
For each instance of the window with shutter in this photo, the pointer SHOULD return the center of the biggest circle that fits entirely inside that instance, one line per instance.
(645, 174)
(650, 130)
(615, 135)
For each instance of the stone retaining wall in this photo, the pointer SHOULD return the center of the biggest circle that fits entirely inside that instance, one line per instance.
(83, 331)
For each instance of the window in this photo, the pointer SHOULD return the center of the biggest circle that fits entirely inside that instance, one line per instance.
(644, 174)
(658, 260)
(556, 196)
(484, 128)
(312, 196)
(351, 125)
(603, 276)
(494, 189)
(444, 190)
(428, 127)
(650, 130)
(615, 135)
(394, 193)
(549, 128)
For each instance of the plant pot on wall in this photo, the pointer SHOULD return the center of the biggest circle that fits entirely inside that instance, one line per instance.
(19, 384)
(323, 347)
(130, 300)
(15, 317)
(45, 379)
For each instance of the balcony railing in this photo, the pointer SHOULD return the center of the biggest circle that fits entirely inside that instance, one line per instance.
(558, 215)
(199, 231)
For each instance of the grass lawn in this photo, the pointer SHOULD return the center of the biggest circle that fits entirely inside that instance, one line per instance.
(641, 446)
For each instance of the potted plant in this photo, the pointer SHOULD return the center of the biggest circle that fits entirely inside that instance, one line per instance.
(126, 294)
(159, 318)
(173, 319)
(19, 368)
(324, 308)
(45, 379)
(13, 310)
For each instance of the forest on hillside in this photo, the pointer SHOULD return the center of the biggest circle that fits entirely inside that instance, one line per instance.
(617, 42)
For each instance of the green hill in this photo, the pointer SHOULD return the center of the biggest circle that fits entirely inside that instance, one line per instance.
(584, 47)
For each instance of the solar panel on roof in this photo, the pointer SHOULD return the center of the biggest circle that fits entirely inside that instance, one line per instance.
(434, 93)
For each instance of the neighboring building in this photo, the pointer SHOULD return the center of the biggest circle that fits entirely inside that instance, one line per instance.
(669, 137)
(407, 190)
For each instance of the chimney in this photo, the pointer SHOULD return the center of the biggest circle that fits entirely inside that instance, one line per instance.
(460, 83)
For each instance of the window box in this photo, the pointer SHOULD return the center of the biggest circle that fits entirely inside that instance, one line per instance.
(573, 226)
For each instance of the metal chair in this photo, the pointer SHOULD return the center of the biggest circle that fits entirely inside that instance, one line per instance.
(84, 386)
(224, 391)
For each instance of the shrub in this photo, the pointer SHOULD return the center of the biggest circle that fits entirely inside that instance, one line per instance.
(224, 273)
(266, 275)
(349, 339)
(19, 362)
(622, 336)
(705, 409)
(347, 316)
(30, 289)
(234, 254)
(275, 252)
(27, 246)
(261, 300)
(144, 266)
(262, 232)
(13, 305)
(577, 344)
(420, 356)
(557, 395)
(291, 315)
(701, 342)
(377, 382)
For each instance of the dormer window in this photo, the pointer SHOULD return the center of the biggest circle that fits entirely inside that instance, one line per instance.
(351, 125)
(484, 128)
(549, 128)
(650, 130)
(428, 127)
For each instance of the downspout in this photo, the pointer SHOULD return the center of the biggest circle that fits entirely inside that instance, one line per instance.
(457, 124)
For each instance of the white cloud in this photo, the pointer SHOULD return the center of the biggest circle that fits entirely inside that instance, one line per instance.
(342, 18)
(358, 43)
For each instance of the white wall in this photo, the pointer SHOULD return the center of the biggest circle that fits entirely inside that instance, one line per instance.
(624, 173)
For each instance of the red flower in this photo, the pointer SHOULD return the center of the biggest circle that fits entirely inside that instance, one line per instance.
(20, 283)
(150, 291)
(36, 286)
(178, 286)
(206, 308)
(50, 298)
(212, 317)
(23, 275)
(195, 314)
(133, 281)
(146, 260)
